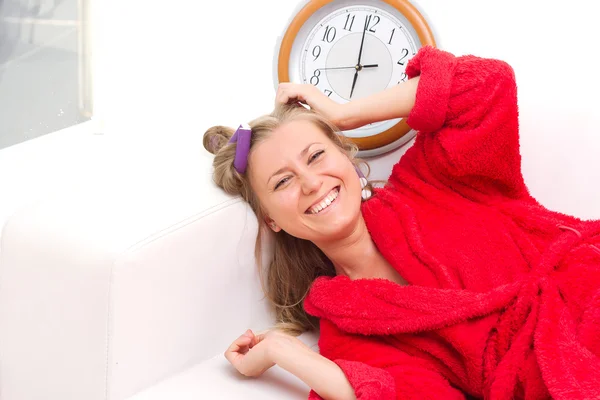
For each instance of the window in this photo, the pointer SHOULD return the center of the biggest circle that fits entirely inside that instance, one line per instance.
(44, 68)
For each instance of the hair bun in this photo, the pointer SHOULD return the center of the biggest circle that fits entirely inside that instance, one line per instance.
(217, 137)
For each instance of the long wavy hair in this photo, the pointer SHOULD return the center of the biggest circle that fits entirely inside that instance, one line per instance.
(296, 262)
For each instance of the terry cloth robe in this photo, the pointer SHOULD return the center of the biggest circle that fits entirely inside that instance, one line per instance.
(503, 300)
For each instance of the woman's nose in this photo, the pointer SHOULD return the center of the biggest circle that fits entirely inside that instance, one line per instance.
(310, 183)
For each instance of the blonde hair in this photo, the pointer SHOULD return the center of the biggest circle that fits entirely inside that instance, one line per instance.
(296, 262)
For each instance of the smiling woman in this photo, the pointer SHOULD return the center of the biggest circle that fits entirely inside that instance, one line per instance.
(302, 183)
(305, 181)
(446, 259)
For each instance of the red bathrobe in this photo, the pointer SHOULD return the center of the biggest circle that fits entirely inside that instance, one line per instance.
(503, 299)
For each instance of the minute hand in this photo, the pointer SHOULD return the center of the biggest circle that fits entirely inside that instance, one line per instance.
(353, 67)
(362, 41)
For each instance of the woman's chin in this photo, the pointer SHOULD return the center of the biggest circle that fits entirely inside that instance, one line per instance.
(335, 222)
(337, 225)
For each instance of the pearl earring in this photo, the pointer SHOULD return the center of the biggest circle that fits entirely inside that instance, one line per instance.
(365, 193)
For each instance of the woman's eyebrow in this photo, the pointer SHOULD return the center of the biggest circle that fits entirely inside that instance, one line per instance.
(302, 154)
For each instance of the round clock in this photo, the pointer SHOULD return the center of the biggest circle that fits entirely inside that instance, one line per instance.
(351, 49)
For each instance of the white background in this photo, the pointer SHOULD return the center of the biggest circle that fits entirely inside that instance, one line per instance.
(166, 71)
(182, 67)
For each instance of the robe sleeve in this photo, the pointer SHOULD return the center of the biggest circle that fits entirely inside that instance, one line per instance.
(467, 117)
(376, 370)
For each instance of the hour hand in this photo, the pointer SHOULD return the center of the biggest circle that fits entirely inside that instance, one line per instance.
(354, 83)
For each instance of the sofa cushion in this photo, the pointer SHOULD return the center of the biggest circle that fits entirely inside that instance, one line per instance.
(216, 378)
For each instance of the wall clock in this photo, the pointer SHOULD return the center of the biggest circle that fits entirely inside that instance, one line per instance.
(321, 46)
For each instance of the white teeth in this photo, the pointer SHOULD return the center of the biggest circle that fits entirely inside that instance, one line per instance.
(325, 202)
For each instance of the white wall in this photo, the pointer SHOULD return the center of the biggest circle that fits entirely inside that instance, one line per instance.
(181, 68)
(165, 73)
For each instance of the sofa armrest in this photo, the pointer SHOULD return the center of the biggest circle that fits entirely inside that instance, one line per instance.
(114, 285)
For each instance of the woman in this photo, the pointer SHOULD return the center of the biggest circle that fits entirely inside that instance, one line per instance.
(449, 282)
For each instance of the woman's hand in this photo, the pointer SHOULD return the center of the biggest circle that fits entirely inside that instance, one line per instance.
(394, 102)
(253, 354)
(309, 94)
(249, 353)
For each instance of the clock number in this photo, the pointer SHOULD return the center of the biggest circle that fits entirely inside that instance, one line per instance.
(315, 76)
(404, 55)
(376, 19)
(317, 47)
(403, 78)
(351, 22)
(327, 36)
(393, 30)
(328, 92)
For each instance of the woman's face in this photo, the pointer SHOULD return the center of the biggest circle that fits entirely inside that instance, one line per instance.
(295, 173)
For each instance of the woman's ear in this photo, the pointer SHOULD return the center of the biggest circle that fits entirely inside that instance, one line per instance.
(271, 224)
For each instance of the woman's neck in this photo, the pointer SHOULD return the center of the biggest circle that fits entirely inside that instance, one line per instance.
(356, 255)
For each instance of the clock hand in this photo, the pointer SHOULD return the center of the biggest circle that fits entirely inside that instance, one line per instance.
(358, 66)
(362, 41)
(354, 82)
(354, 67)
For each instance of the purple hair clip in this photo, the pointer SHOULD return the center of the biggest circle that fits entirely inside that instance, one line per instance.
(242, 138)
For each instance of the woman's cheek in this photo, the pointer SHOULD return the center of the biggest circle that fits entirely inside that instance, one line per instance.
(288, 202)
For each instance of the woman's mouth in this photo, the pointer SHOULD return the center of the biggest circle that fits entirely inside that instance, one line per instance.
(327, 201)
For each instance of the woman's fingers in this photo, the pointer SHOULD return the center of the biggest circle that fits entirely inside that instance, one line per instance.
(253, 338)
(282, 96)
(256, 339)
(250, 362)
(238, 348)
(311, 96)
(288, 92)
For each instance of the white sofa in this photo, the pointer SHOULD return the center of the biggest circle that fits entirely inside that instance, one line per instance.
(129, 281)
(143, 271)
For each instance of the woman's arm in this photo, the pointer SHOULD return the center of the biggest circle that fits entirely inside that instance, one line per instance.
(324, 376)
(253, 354)
(350, 367)
(392, 103)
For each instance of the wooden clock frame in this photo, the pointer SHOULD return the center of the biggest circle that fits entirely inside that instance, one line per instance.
(413, 16)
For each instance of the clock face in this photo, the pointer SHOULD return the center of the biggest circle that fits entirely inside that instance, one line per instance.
(351, 49)
(335, 44)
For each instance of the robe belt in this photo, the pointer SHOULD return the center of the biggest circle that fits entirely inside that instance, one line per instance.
(511, 342)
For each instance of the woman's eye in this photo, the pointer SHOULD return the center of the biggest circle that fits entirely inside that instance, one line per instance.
(281, 182)
(315, 156)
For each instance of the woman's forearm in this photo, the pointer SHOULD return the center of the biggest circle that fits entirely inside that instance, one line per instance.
(321, 374)
(392, 103)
